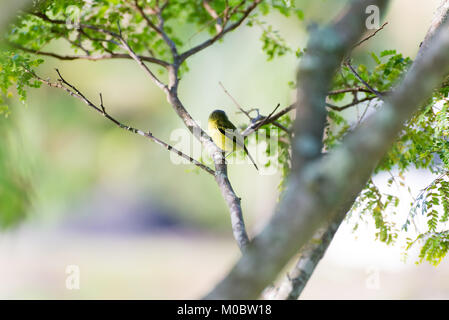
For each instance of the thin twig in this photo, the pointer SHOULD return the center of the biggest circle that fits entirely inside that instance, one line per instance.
(368, 105)
(259, 117)
(282, 127)
(101, 104)
(256, 125)
(90, 57)
(206, 25)
(267, 119)
(377, 93)
(347, 90)
(246, 113)
(124, 44)
(370, 36)
(214, 15)
(139, 61)
(73, 91)
(354, 103)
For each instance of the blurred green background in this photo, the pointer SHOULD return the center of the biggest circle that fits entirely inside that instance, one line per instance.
(141, 227)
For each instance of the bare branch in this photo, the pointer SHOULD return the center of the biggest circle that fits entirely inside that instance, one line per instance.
(235, 208)
(267, 119)
(252, 127)
(366, 84)
(73, 91)
(256, 123)
(272, 119)
(294, 283)
(101, 104)
(91, 57)
(235, 101)
(348, 90)
(280, 126)
(370, 36)
(352, 104)
(139, 61)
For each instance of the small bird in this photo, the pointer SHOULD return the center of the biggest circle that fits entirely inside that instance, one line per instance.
(225, 135)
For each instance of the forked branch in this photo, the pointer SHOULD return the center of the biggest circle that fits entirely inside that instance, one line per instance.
(170, 89)
(74, 92)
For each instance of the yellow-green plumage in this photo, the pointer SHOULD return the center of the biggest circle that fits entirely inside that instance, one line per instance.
(225, 135)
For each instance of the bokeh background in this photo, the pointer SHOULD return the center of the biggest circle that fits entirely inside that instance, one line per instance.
(140, 227)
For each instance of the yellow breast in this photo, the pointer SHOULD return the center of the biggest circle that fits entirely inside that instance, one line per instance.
(223, 142)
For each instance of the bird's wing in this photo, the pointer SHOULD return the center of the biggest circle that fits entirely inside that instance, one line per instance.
(232, 133)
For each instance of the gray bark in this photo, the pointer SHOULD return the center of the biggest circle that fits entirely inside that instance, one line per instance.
(292, 286)
(316, 191)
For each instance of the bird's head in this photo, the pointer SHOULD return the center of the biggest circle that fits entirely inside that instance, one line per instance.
(218, 115)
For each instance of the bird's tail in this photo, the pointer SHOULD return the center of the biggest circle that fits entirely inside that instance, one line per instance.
(249, 156)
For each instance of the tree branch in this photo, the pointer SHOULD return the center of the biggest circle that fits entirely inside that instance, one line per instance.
(260, 120)
(257, 124)
(271, 119)
(348, 90)
(219, 35)
(441, 16)
(292, 287)
(313, 193)
(73, 91)
(214, 15)
(232, 200)
(327, 48)
(354, 103)
(91, 57)
(310, 255)
(158, 29)
(366, 84)
(221, 175)
(370, 36)
(139, 61)
(235, 101)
